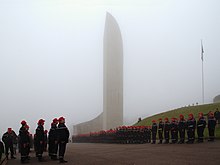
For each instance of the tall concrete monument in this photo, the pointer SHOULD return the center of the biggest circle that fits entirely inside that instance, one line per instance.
(112, 115)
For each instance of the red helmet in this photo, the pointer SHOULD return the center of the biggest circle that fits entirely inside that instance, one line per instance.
(166, 119)
(61, 118)
(45, 131)
(160, 119)
(41, 121)
(153, 121)
(211, 114)
(55, 120)
(181, 116)
(190, 114)
(200, 113)
(23, 122)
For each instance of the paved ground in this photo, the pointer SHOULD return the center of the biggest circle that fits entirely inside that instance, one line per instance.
(137, 154)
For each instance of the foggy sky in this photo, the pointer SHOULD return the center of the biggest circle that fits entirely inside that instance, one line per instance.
(51, 57)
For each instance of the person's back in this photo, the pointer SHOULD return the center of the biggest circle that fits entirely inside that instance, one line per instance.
(211, 126)
(40, 139)
(63, 138)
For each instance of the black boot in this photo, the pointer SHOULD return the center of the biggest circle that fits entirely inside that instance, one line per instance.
(166, 142)
(63, 161)
(12, 157)
(40, 159)
(180, 142)
(160, 142)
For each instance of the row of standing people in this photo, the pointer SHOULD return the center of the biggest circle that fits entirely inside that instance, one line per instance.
(57, 139)
(147, 134)
(177, 128)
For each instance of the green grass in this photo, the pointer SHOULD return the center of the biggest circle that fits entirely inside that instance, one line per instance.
(184, 111)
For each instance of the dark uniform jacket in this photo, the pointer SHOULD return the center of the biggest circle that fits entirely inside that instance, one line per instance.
(211, 122)
(154, 127)
(53, 133)
(201, 123)
(161, 126)
(7, 138)
(191, 124)
(63, 133)
(167, 126)
(182, 124)
(173, 126)
(23, 136)
(40, 134)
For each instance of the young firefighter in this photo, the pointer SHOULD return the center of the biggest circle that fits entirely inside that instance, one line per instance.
(24, 140)
(181, 128)
(53, 143)
(201, 124)
(211, 126)
(40, 140)
(191, 125)
(63, 138)
(154, 131)
(166, 130)
(174, 131)
(160, 130)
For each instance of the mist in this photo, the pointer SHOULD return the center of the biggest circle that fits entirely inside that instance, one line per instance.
(51, 57)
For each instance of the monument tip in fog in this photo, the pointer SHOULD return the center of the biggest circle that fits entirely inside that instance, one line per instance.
(112, 115)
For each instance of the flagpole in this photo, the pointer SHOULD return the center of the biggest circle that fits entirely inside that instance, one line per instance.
(203, 91)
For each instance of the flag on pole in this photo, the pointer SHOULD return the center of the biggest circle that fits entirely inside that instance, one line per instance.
(202, 51)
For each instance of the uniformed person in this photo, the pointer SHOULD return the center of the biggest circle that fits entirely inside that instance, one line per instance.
(174, 131)
(63, 138)
(148, 134)
(28, 144)
(53, 141)
(160, 130)
(45, 140)
(201, 124)
(166, 130)
(40, 139)
(191, 125)
(7, 138)
(211, 126)
(23, 142)
(181, 128)
(154, 131)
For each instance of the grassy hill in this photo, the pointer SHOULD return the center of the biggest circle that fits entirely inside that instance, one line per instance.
(184, 111)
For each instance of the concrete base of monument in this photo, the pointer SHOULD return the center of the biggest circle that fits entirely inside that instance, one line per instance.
(130, 154)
